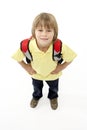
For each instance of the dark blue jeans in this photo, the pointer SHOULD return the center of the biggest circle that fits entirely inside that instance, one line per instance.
(38, 86)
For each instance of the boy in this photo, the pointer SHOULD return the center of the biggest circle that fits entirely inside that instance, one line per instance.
(43, 67)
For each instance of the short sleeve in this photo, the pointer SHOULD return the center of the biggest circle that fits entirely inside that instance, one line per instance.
(67, 53)
(18, 55)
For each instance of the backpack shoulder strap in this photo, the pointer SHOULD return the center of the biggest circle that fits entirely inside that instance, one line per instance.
(24, 46)
(58, 45)
(57, 48)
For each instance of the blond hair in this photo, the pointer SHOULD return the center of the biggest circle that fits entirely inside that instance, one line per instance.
(47, 20)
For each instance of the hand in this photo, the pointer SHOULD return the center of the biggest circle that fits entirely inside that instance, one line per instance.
(29, 69)
(57, 70)
(60, 67)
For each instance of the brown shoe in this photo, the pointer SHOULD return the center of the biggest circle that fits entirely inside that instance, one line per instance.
(34, 102)
(54, 103)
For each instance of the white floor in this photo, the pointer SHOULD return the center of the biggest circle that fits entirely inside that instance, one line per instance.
(16, 92)
(15, 84)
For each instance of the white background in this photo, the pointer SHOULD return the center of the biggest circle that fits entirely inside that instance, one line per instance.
(15, 84)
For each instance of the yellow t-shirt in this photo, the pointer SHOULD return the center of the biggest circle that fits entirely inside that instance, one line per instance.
(42, 62)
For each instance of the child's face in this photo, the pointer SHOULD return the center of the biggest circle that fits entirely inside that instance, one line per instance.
(44, 36)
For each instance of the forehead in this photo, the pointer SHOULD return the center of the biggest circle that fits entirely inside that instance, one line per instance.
(44, 27)
(45, 24)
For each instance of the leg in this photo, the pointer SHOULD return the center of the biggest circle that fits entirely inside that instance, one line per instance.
(53, 93)
(53, 88)
(37, 85)
(37, 94)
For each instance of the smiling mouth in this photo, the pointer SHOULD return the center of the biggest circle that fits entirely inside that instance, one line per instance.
(44, 39)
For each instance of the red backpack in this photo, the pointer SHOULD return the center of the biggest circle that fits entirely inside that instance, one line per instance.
(57, 48)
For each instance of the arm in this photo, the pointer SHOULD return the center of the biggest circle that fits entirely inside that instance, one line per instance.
(60, 67)
(27, 67)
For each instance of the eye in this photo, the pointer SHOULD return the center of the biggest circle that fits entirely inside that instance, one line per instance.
(40, 30)
(49, 30)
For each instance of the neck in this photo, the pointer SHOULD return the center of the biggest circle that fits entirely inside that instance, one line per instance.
(44, 49)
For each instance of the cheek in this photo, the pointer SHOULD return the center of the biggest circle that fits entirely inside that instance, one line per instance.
(36, 35)
(51, 36)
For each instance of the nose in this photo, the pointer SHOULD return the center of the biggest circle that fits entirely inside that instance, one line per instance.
(44, 33)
